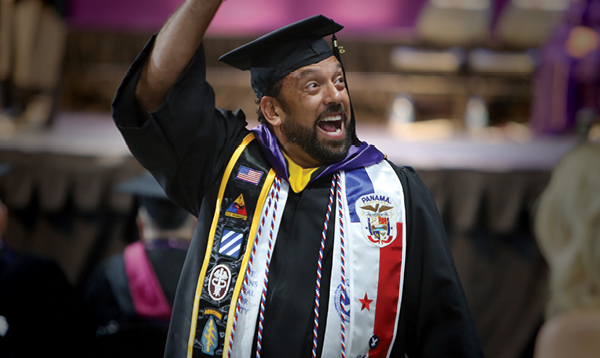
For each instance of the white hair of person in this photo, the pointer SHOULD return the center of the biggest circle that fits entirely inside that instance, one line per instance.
(567, 228)
(150, 231)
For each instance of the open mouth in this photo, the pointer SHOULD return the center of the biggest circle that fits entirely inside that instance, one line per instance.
(332, 124)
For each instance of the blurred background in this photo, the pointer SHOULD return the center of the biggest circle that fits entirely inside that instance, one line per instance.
(482, 97)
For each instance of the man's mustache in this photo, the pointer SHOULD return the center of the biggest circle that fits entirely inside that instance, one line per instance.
(333, 108)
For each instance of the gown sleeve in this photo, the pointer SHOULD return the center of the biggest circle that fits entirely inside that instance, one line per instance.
(186, 142)
(435, 316)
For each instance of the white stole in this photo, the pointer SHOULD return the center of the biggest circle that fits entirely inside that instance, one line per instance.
(363, 266)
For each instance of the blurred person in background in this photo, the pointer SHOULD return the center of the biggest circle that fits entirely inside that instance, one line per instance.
(568, 232)
(567, 81)
(39, 309)
(128, 297)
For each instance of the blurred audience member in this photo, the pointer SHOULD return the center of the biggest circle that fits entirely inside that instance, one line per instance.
(38, 306)
(567, 84)
(568, 232)
(128, 298)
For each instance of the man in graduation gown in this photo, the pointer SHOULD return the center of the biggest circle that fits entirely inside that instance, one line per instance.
(309, 242)
(128, 297)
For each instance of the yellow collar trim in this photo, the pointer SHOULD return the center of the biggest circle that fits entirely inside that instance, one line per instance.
(299, 177)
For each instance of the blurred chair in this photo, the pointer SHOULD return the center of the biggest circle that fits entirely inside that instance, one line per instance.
(33, 36)
(520, 26)
(411, 59)
(526, 24)
(455, 22)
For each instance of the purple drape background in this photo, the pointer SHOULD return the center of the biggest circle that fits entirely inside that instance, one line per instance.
(248, 17)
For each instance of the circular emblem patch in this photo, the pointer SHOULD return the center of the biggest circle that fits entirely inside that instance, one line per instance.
(378, 218)
(342, 305)
(218, 282)
(373, 341)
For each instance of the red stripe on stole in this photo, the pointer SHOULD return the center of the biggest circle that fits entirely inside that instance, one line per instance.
(390, 264)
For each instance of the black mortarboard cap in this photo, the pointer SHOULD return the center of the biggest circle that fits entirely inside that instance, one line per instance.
(274, 55)
(150, 195)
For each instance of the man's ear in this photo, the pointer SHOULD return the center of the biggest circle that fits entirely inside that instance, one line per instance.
(271, 110)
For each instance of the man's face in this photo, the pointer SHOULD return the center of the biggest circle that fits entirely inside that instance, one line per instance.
(314, 125)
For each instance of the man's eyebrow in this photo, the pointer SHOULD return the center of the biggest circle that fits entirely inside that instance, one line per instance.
(308, 71)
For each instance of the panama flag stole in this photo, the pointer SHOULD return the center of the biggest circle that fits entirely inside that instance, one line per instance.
(372, 218)
(368, 260)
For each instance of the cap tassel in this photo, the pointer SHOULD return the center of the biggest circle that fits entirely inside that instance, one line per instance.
(337, 51)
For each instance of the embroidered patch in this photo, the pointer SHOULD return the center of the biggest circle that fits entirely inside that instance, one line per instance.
(366, 303)
(373, 341)
(342, 306)
(378, 218)
(209, 337)
(237, 209)
(231, 243)
(249, 175)
(218, 282)
(213, 312)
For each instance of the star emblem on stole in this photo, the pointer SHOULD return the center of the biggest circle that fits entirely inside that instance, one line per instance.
(366, 302)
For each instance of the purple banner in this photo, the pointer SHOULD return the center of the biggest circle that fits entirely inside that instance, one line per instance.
(248, 17)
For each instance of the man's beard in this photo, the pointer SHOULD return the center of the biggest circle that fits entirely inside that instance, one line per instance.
(325, 151)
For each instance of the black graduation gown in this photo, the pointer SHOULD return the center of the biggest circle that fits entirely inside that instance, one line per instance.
(115, 328)
(39, 310)
(187, 143)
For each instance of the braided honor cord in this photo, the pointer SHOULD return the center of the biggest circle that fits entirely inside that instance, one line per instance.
(319, 264)
(273, 197)
(343, 260)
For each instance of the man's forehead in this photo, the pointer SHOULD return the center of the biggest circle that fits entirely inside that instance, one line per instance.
(330, 64)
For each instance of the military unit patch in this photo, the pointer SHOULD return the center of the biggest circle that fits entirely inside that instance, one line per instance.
(209, 337)
(231, 243)
(213, 312)
(218, 282)
(379, 218)
(237, 209)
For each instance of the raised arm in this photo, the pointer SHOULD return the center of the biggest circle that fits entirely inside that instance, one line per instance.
(166, 110)
(175, 46)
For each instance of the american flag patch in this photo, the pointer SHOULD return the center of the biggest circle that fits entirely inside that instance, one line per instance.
(231, 243)
(249, 175)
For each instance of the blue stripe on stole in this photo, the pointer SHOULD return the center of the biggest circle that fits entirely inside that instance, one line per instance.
(358, 184)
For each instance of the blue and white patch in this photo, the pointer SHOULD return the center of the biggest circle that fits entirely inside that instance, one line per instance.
(342, 306)
(209, 337)
(231, 243)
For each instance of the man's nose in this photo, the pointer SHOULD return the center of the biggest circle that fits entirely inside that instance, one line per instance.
(332, 94)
